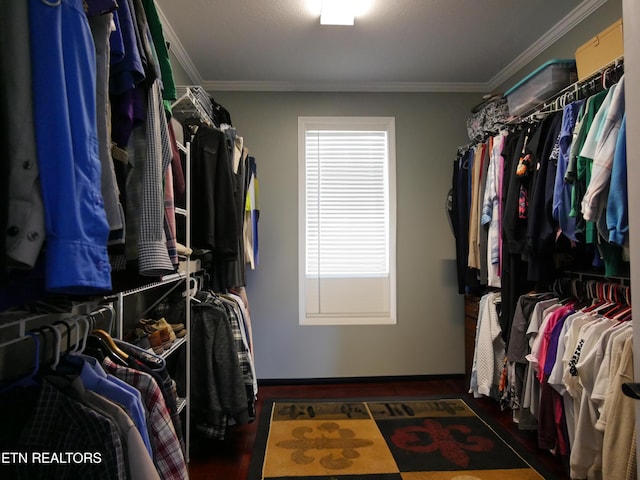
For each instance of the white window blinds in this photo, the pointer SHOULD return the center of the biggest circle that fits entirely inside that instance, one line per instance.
(347, 220)
(347, 203)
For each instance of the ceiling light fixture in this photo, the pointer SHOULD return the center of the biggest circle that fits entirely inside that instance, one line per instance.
(342, 12)
(337, 12)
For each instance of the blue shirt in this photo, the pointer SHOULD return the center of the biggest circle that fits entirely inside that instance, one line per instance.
(562, 189)
(64, 115)
(94, 378)
(126, 71)
(617, 203)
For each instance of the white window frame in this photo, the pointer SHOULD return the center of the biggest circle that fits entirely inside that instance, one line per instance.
(387, 124)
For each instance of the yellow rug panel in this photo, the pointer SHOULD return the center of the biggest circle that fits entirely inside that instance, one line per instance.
(326, 447)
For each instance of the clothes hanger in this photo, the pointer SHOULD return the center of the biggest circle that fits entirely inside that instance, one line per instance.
(97, 346)
(68, 328)
(194, 288)
(56, 345)
(112, 348)
(70, 365)
(102, 311)
(623, 315)
(82, 341)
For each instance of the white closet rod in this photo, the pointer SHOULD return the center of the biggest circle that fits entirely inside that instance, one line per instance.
(67, 329)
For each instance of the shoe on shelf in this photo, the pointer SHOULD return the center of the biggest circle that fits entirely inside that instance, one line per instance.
(178, 329)
(162, 323)
(166, 333)
(142, 342)
(139, 337)
(155, 340)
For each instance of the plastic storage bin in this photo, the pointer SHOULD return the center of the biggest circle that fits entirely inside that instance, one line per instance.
(540, 85)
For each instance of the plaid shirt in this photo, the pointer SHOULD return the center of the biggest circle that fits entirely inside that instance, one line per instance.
(167, 453)
(60, 424)
(244, 355)
(218, 388)
(153, 258)
(155, 366)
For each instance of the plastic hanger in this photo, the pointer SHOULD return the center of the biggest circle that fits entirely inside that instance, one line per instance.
(194, 288)
(56, 344)
(69, 329)
(81, 344)
(103, 312)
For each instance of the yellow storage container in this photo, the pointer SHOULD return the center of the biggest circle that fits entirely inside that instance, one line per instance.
(600, 51)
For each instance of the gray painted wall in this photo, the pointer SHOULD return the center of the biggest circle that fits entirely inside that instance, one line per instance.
(428, 338)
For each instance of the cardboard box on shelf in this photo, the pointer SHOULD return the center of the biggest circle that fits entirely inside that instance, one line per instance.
(601, 50)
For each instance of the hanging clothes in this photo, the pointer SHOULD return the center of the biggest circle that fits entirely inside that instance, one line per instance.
(22, 215)
(489, 349)
(617, 204)
(168, 453)
(214, 221)
(67, 146)
(39, 415)
(72, 418)
(562, 190)
(491, 212)
(222, 392)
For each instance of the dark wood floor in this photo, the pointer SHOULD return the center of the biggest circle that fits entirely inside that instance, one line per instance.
(229, 459)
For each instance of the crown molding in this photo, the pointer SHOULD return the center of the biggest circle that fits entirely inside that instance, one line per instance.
(560, 29)
(365, 87)
(577, 15)
(178, 49)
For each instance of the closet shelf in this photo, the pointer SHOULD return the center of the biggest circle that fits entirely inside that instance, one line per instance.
(192, 102)
(165, 280)
(176, 345)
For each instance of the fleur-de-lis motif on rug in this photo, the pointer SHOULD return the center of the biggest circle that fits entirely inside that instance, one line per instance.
(331, 437)
(433, 436)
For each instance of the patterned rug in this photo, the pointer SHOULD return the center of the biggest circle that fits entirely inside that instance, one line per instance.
(434, 439)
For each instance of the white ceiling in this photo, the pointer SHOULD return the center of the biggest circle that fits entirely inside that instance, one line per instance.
(400, 45)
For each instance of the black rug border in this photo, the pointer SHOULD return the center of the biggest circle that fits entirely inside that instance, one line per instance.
(260, 444)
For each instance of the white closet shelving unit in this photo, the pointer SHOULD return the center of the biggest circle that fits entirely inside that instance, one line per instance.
(166, 285)
(191, 103)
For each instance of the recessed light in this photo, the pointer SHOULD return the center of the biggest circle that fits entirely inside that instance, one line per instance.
(337, 12)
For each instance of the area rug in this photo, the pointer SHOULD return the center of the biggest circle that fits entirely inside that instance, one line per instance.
(408, 439)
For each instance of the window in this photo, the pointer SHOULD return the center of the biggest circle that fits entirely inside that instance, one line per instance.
(347, 220)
